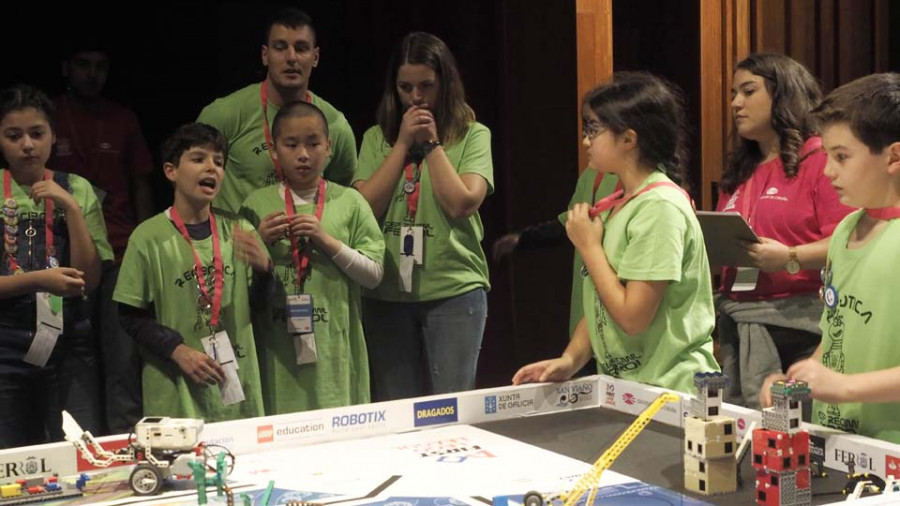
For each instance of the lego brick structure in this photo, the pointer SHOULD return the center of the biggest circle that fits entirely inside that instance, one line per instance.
(710, 440)
(781, 449)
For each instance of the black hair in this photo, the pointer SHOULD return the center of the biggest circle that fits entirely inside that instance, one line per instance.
(298, 109)
(654, 109)
(192, 135)
(290, 17)
(23, 96)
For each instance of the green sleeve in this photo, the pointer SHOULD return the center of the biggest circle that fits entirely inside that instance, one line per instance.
(342, 166)
(248, 213)
(366, 236)
(133, 285)
(371, 154)
(218, 116)
(476, 157)
(93, 215)
(656, 243)
(582, 192)
(246, 226)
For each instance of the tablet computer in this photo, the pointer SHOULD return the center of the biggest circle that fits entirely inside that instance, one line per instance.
(722, 233)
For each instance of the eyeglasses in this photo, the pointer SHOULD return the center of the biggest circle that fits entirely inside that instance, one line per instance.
(591, 129)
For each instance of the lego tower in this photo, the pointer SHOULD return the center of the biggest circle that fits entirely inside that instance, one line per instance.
(781, 449)
(710, 440)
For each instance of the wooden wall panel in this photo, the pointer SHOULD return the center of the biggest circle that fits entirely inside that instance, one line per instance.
(594, 35)
(854, 47)
(826, 69)
(801, 36)
(712, 124)
(837, 40)
(769, 25)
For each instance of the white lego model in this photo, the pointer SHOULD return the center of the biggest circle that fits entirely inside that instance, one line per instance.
(162, 448)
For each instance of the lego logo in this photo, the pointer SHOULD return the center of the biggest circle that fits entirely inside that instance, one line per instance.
(629, 399)
(265, 434)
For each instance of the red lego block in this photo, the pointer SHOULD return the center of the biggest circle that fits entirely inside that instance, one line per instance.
(800, 446)
(802, 478)
(771, 440)
(768, 491)
(771, 461)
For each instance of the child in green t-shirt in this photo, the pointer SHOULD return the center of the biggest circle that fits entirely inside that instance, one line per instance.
(854, 374)
(54, 239)
(325, 244)
(647, 290)
(185, 289)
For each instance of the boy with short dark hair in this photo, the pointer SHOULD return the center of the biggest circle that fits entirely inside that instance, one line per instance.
(855, 373)
(325, 243)
(184, 290)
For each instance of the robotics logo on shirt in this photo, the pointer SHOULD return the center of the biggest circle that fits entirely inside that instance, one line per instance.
(435, 412)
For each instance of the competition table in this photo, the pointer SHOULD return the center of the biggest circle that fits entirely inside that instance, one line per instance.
(577, 419)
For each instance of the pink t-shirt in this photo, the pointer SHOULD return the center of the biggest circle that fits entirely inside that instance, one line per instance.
(793, 211)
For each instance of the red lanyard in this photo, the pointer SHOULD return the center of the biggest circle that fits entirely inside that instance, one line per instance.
(270, 145)
(219, 272)
(411, 189)
(301, 262)
(597, 182)
(607, 203)
(49, 250)
(884, 213)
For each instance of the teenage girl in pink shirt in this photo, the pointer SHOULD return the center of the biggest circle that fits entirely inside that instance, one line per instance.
(775, 179)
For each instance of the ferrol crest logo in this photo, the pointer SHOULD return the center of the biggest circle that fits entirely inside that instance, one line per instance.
(27, 467)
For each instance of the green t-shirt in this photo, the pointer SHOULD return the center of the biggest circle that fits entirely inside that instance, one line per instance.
(83, 193)
(656, 237)
(866, 318)
(248, 166)
(340, 375)
(584, 194)
(158, 268)
(453, 261)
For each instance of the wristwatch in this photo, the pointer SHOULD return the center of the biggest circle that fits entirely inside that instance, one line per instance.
(793, 264)
(428, 146)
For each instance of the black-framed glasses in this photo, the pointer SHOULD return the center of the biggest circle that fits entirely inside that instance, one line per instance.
(591, 129)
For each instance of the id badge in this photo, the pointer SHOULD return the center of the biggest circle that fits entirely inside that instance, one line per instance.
(411, 242)
(299, 310)
(305, 348)
(218, 346)
(48, 327)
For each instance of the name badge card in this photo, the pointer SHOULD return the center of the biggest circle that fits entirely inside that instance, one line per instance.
(218, 346)
(411, 241)
(48, 327)
(305, 348)
(299, 310)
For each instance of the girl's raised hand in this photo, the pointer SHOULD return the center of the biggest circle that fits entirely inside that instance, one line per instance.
(583, 231)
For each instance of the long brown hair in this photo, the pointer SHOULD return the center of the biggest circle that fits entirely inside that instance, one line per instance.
(794, 93)
(452, 113)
